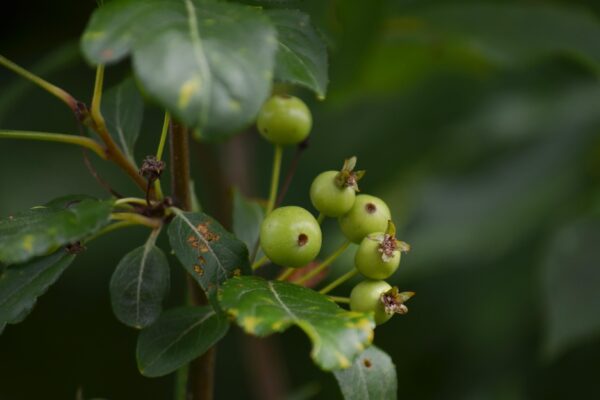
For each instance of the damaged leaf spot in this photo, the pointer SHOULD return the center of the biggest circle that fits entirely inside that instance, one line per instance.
(107, 54)
(198, 269)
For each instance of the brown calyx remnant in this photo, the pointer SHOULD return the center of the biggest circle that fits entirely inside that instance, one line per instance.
(75, 248)
(152, 168)
(393, 301)
(347, 177)
(302, 239)
(367, 363)
(388, 246)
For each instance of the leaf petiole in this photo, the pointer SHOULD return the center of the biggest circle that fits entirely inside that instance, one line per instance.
(109, 228)
(136, 219)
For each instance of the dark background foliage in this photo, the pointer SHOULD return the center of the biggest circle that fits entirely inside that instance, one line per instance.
(477, 122)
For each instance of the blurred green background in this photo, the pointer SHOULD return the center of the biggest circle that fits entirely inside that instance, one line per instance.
(478, 122)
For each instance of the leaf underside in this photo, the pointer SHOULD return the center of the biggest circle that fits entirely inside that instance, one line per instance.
(123, 111)
(139, 286)
(21, 285)
(178, 336)
(372, 376)
(301, 54)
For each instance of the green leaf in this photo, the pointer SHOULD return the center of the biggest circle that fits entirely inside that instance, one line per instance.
(371, 377)
(301, 53)
(20, 286)
(206, 250)
(209, 63)
(139, 286)
(43, 229)
(570, 282)
(263, 307)
(247, 217)
(177, 337)
(123, 110)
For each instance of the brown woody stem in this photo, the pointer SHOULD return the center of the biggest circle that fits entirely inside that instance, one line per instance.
(113, 151)
(202, 370)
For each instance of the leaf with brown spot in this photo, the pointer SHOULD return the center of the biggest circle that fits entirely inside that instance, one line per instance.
(206, 250)
(372, 376)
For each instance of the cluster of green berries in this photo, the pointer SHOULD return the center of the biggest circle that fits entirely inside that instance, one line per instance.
(291, 236)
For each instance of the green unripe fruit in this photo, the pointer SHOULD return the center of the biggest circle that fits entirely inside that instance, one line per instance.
(366, 297)
(284, 120)
(368, 214)
(328, 197)
(290, 236)
(377, 256)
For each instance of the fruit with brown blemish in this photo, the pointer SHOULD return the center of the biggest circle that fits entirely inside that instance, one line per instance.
(368, 214)
(290, 236)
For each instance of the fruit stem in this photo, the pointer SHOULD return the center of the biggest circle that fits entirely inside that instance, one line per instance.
(259, 263)
(285, 274)
(337, 299)
(291, 171)
(136, 219)
(56, 137)
(320, 218)
(68, 99)
(338, 281)
(325, 263)
(275, 178)
(160, 151)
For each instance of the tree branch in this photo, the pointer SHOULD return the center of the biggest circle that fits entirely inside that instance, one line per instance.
(201, 370)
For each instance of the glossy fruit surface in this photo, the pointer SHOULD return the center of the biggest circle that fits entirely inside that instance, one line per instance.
(368, 214)
(284, 120)
(366, 297)
(371, 261)
(328, 197)
(290, 236)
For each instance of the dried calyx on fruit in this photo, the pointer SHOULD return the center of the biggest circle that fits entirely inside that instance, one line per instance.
(388, 244)
(347, 177)
(393, 301)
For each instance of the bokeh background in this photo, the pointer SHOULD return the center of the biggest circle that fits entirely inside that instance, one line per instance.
(478, 122)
